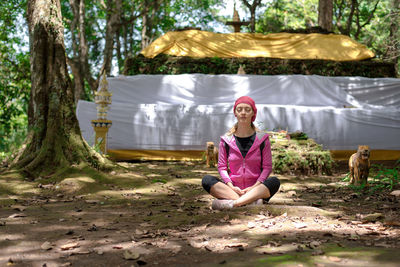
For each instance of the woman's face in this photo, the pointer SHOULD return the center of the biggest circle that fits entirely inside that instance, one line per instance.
(244, 112)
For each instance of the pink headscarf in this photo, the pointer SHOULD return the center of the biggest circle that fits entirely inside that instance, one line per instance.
(246, 100)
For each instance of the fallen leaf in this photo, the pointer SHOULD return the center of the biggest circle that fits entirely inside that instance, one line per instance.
(197, 244)
(85, 252)
(235, 221)
(92, 228)
(383, 244)
(268, 224)
(373, 217)
(131, 255)
(210, 248)
(46, 246)
(17, 215)
(18, 207)
(317, 252)
(387, 223)
(334, 259)
(92, 201)
(237, 245)
(251, 225)
(70, 246)
(353, 237)
(314, 244)
(300, 225)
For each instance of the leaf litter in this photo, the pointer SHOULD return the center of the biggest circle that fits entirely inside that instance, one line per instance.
(171, 222)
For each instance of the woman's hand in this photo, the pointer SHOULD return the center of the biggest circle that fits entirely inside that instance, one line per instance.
(247, 189)
(236, 189)
(251, 187)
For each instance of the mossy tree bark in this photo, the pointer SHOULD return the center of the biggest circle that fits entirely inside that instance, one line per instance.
(54, 139)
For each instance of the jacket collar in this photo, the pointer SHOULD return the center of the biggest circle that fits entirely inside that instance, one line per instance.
(260, 137)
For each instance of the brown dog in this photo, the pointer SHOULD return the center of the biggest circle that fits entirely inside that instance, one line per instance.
(359, 165)
(211, 154)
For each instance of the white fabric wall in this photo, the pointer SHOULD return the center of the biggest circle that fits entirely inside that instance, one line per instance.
(183, 112)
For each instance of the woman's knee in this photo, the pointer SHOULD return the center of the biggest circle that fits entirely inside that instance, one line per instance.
(208, 181)
(273, 184)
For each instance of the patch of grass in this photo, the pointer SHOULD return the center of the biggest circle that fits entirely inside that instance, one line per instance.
(383, 178)
(163, 181)
(334, 255)
(12, 183)
(290, 259)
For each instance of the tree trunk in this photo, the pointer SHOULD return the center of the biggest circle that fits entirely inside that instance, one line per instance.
(325, 14)
(54, 139)
(145, 38)
(113, 17)
(79, 83)
(252, 9)
(80, 61)
(394, 36)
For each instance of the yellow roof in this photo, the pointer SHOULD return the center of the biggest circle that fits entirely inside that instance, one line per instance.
(195, 43)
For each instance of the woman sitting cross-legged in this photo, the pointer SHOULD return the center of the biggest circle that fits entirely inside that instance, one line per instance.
(244, 163)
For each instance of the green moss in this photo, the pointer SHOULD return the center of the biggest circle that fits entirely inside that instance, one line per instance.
(164, 64)
(279, 259)
(300, 156)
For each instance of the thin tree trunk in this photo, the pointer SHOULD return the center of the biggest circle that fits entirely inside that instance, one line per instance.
(325, 14)
(119, 53)
(80, 61)
(113, 17)
(54, 138)
(354, 5)
(145, 38)
(394, 36)
(126, 41)
(79, 83)
(252, 9)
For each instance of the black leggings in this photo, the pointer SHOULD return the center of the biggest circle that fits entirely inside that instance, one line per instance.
(272, 183)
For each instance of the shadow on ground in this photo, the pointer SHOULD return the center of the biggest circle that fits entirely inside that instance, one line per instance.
(156, 213)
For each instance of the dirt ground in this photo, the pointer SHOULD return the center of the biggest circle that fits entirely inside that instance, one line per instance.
(157, 214)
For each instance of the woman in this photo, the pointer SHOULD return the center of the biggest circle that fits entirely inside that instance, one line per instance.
(244, 163)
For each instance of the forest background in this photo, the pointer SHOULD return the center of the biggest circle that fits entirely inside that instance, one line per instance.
(100, 35)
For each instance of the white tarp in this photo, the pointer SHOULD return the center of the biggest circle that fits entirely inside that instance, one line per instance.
(183, 112)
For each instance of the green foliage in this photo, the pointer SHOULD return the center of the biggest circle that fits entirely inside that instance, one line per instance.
(164, 64)
(285, 14)
(299, 156)
(369, 25)
(14, 78)
(384, 178)
(298, 136)
(162, 16)
(97, 147)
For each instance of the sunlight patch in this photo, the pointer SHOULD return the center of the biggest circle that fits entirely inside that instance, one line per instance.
(71, 185)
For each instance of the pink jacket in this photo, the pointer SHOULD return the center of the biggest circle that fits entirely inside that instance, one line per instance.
(244, 172)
